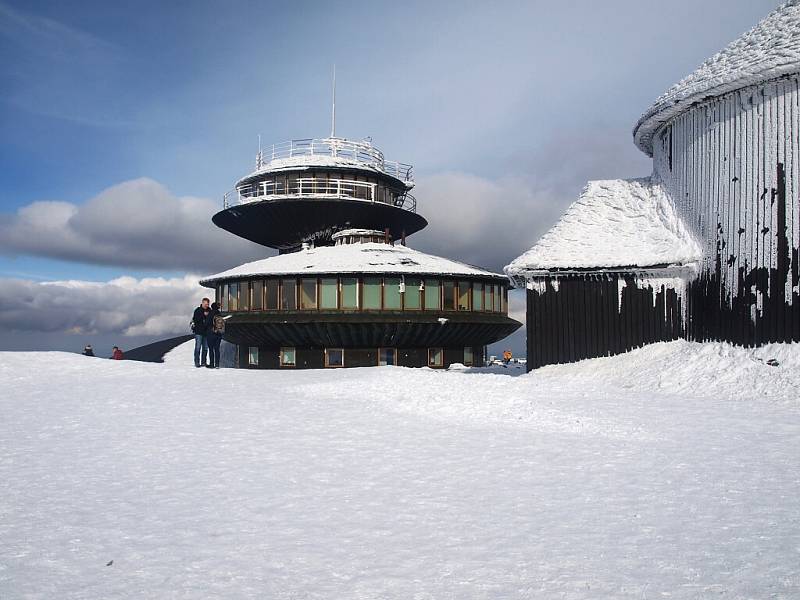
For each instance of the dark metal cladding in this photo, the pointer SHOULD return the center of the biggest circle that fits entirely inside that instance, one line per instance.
(368, 330)
(283, 223)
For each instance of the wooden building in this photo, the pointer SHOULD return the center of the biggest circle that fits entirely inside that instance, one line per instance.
(725, 143)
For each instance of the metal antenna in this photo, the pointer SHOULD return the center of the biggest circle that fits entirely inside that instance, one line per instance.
(333, 109)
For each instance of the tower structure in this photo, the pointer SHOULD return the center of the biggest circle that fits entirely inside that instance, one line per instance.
(345, 290)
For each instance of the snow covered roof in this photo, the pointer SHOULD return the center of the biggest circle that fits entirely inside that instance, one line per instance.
(769, 50)
(615, 223)
(351, 258)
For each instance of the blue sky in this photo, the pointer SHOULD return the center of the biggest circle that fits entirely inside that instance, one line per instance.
(524, 101)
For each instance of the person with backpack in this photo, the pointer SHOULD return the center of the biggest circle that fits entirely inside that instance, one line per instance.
(216, 329)
(200, 325)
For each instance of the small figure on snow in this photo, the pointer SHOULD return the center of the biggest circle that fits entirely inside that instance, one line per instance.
(507, 356)
(117, 354)
(87, 350)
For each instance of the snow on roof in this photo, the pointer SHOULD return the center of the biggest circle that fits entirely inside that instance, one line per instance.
(351, 258)
(615, 223)
(769, 50)
(319, 160)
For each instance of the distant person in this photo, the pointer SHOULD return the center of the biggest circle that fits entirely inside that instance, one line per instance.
(200, 327)
(116, 353)
(216, 328)
(507, 357)
(87, 350)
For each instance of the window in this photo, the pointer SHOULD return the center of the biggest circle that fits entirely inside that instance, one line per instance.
(244, 295)
(477, 296)
(288, 294)
(487, 297)
(271, 289)
(448, 295)
(387, 357)
(257, 295)
(329, 293)
(469, 359)
(287, 358)
(372, 293)
(504, 295)
(349, 293)
(391, 294)
(498, 298)
(463, 295)
(432, 298)
(252, 355)
(233, 296)
(223, 298)
(435, 357)
(411, 297)
(308, 294)
(334, 357)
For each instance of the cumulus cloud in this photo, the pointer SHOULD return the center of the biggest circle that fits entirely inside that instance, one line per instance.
(482, 221)
(126, 306)
(137, 223)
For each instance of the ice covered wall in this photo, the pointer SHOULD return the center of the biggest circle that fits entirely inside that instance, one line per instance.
(732, 166)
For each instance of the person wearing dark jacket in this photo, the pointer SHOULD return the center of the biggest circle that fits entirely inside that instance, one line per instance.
(88, 351)
(200, 327)
(216, 326)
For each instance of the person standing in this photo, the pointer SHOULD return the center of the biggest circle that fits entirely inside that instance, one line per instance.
(88, 351)
(200, 327)
(116, 353)
(216, 327)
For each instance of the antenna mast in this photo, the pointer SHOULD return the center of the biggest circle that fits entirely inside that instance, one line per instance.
(333, 108)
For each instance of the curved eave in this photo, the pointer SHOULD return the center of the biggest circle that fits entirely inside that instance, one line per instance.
(212, 282)
(519, 275)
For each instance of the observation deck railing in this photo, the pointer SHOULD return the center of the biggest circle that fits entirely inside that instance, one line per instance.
(360, 152)
(311, 187)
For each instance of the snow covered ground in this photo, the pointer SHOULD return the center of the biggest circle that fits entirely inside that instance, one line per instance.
(669, 472)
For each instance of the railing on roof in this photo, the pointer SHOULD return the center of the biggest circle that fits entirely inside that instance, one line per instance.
(311, 187)
(360, 152)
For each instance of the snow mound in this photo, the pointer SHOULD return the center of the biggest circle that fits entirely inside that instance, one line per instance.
(770, 49)
(615, 223)
(351, 258)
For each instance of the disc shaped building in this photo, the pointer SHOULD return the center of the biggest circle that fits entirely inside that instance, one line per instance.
(345, 290)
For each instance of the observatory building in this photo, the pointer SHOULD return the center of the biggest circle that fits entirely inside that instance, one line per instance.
(345, 290)
(706, 248)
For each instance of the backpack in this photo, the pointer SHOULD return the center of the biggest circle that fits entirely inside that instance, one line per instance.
(218, 325)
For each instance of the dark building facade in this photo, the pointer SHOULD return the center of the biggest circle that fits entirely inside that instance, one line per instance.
(725, 144)
(345, 290)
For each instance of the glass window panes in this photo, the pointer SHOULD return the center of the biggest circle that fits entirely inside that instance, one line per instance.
(387, 356)
(448, 295)
(372, 293)
(487, 296)
(288, 294)
(411, 297)
(334, 357)
(308, 294)
(349, 293)
(463, 295)
(391, 293)
(287, 357)
(477, 296)
(329, 293)
(432, 298)
(468, 357)
(244, 295)
(256, 294)
(252, 355)
(223, 298)
(271, 294)
(233, 296)
(435, 357)
(497, 299)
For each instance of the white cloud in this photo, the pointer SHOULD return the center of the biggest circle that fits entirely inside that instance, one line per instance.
(127, 306)
(137, 223)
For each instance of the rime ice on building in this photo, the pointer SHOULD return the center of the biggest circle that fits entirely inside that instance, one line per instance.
(345, 290)
(707, 247)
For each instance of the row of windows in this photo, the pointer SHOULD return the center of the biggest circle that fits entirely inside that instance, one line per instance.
(366, 293)
(364, 188)
(334, 357)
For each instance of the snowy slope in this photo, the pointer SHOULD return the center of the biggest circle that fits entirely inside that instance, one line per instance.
(615, 223)
(351, 258)
(576, 481)
(769, 50)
